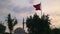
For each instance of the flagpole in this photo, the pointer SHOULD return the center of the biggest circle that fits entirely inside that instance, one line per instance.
(41, 10)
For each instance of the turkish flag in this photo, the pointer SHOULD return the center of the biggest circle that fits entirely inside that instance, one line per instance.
(37, 6)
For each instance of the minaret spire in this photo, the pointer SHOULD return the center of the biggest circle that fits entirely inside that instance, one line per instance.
(23, 23)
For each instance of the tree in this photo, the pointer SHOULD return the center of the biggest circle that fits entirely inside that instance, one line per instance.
(55, 31)
(37, 25)
(11, 23)
(2, 29)
(45, 24)
(29, 24)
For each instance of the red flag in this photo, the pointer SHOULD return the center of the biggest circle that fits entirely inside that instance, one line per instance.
(37, 7)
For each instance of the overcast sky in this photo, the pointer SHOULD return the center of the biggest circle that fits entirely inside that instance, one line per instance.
(24, 8)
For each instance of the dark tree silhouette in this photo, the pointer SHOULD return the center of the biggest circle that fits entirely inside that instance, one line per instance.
(2, 29)
(38, 25)
(11, 23)
(55, 31)
(7, 33)
(45, 22)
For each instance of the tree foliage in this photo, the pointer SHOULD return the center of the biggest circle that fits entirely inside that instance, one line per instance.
(11, 23)
(55, 31)
(37, 25)
(2, 29)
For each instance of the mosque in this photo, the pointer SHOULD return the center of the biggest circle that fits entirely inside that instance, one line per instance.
(20, 30)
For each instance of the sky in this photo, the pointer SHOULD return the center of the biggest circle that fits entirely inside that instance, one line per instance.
(23, 8)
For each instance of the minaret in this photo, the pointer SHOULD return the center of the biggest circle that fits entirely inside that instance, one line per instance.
(23, 23)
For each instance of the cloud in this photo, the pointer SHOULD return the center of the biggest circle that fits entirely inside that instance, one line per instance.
(20, 7)
(51, 7)
(25, 9)
(55, 21)
(22, 3)
(9, 6)
(3, 14)
(4, 3)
